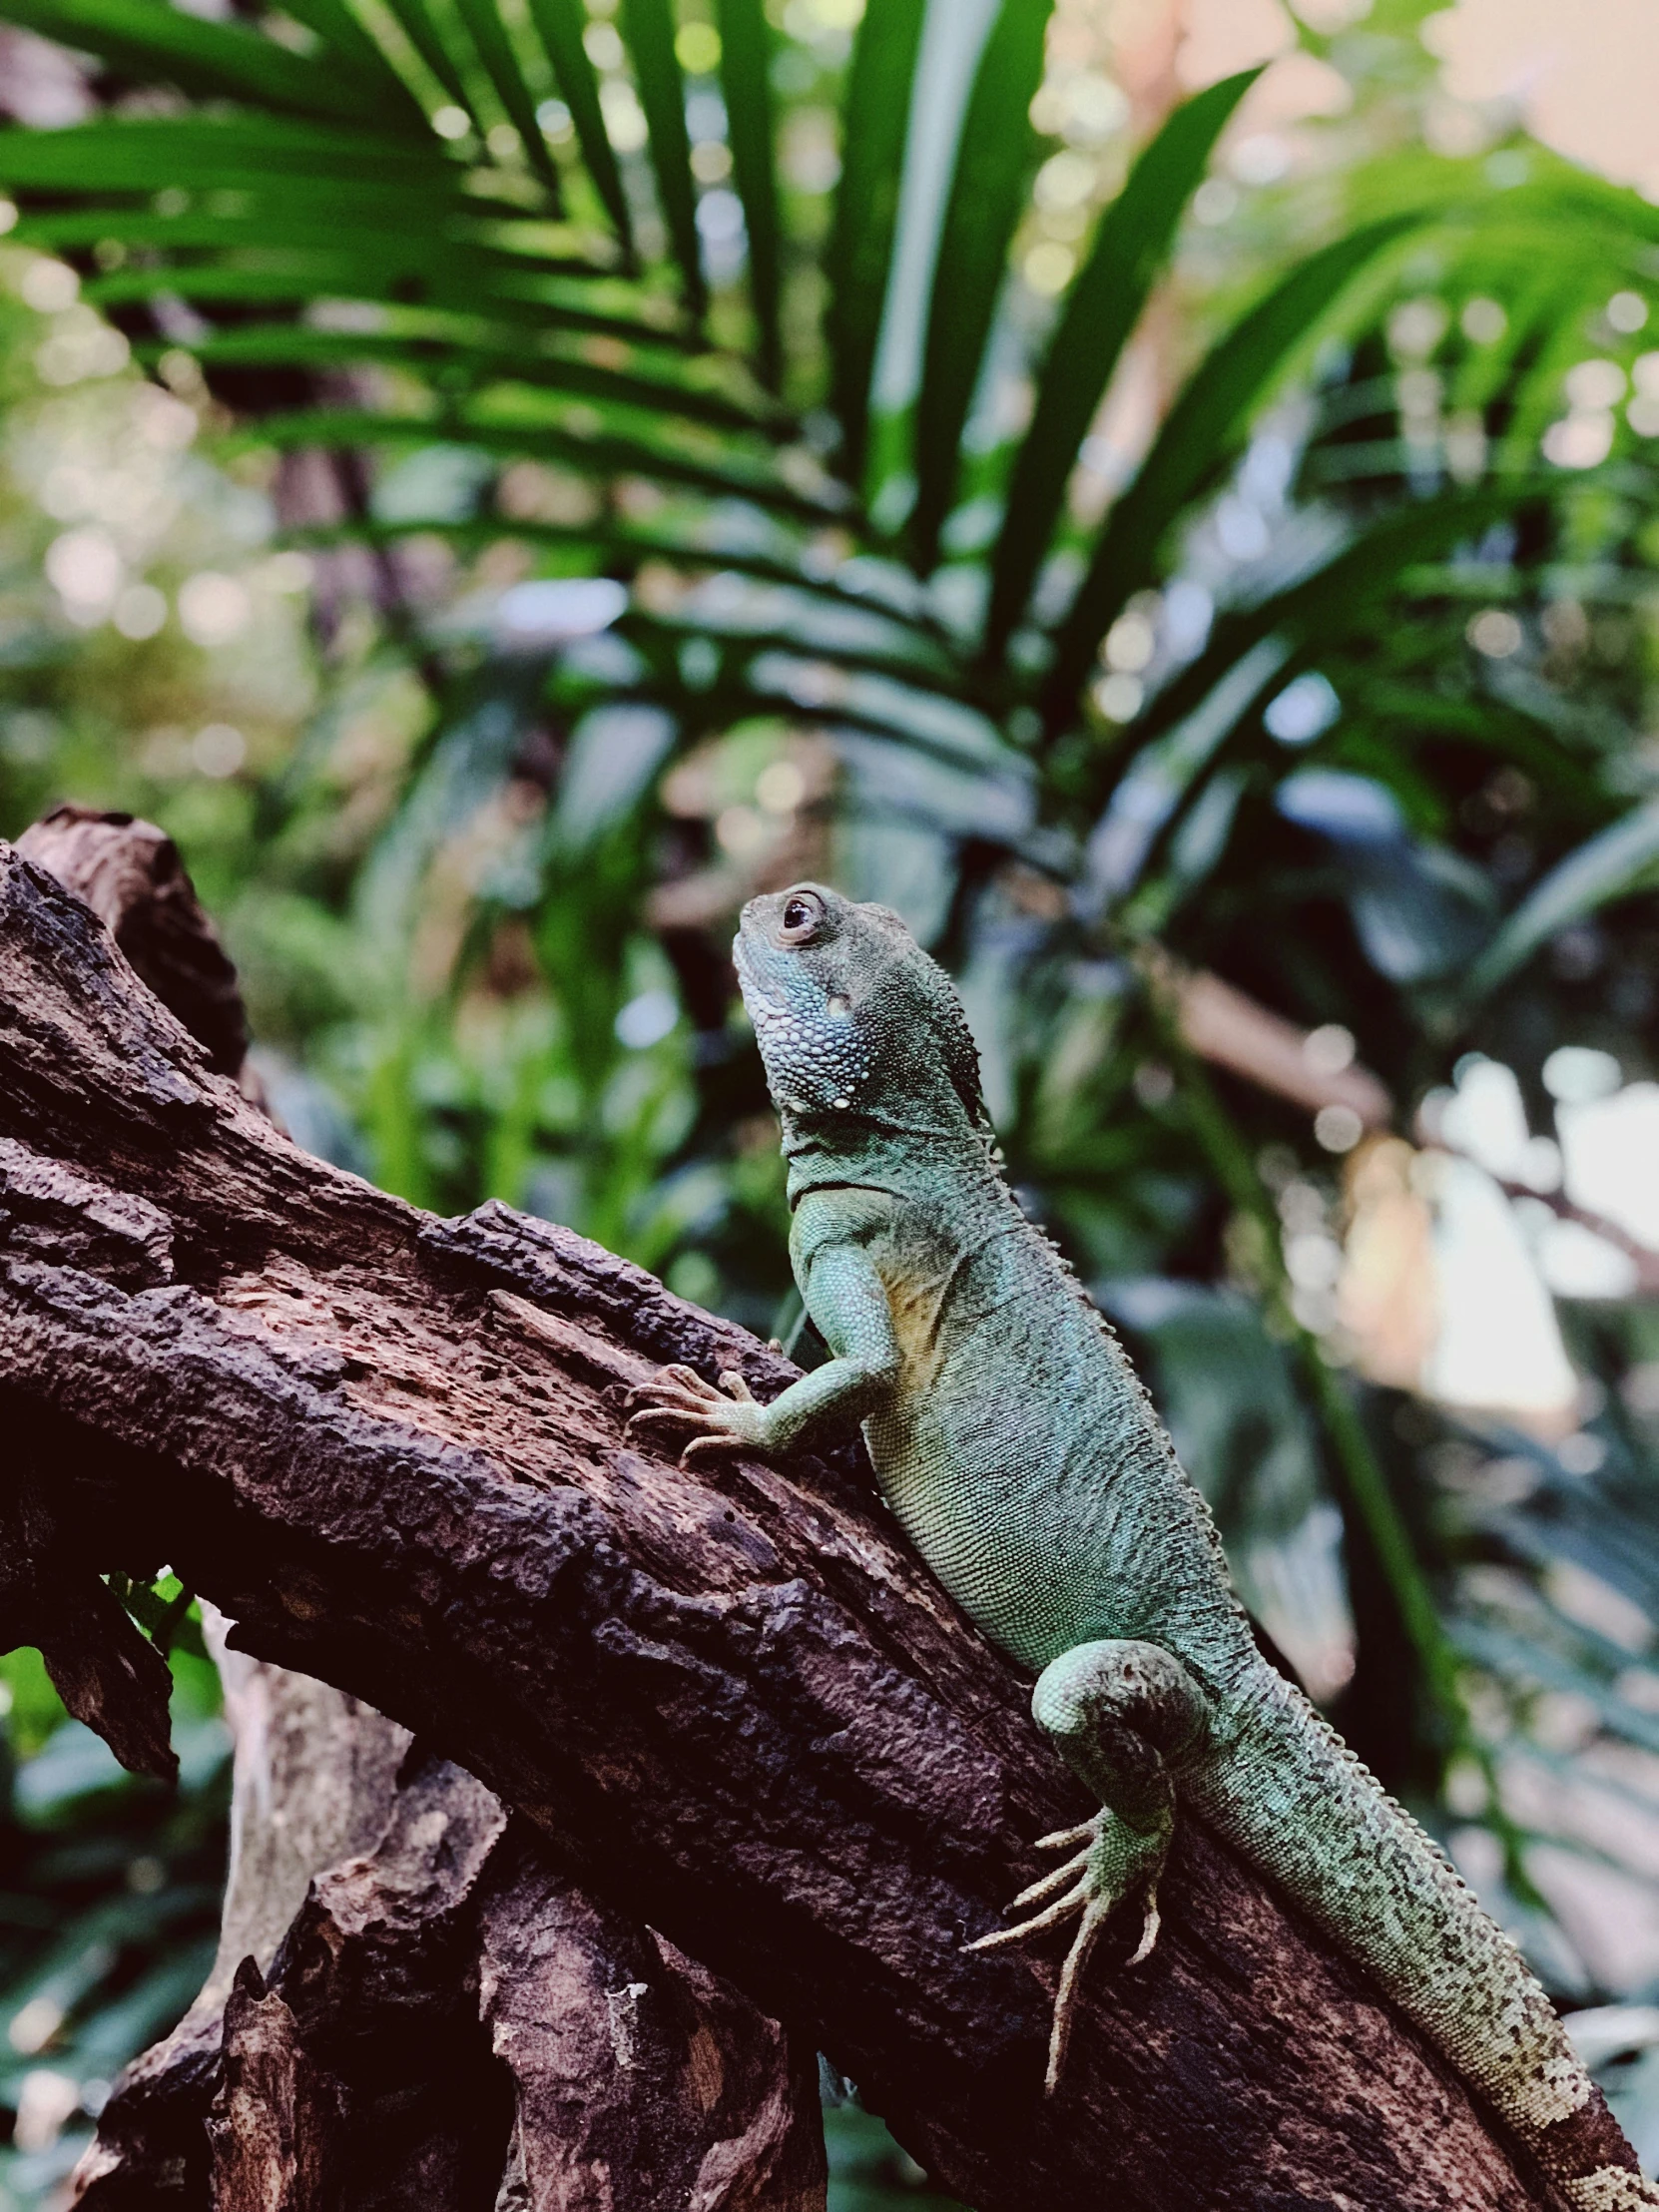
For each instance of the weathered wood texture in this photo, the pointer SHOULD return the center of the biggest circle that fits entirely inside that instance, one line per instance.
(390, 1448)
(314, 1777)
(131, 874)
(449, 2023)
(413, 2006)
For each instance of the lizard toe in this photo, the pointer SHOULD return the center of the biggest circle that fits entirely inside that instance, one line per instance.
(1095, 1916)
(1116, 1861)
(676, 1380)
(1051, 1883)
(1063, 1909)
(715, 1441)
(668, 1414)
(1066, 1839)
(1149, 1927)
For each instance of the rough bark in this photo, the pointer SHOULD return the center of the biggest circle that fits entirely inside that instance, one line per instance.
(390, 1448)
(131, 875)
(107, 1673)
(450, 2024)
(440, 2026)
(315, 1780)
(268, 2118)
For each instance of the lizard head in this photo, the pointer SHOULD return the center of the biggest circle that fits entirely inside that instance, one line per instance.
(850, 1015)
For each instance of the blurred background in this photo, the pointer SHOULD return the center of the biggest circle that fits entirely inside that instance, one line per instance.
(1161, 492)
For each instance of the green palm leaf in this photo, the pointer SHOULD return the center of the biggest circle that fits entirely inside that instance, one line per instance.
(145, 153)
(1341, 589)
(558, 23)
(1203, 428)
(511, 423)
(652, 387)
(414, 18)
(1619, 861)
(995, 159)
(457, 279)
(617, 547)
(650, 29)
(874, 117)
(496, 50)
(745, 52)
(154, 42)
(350, 46)
(1101, 309)
(1211, 714)
(269, 225)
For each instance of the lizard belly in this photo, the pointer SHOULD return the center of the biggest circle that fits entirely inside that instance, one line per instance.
(970, 1515)
(1003, 1459)
(1017, 1449)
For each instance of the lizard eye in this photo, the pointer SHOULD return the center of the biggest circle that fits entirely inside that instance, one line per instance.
(802, 914)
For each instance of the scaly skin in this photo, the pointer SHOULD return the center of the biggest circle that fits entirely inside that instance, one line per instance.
(1023, 1457)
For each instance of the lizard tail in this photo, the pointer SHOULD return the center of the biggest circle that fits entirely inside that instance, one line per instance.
(1297, 1803)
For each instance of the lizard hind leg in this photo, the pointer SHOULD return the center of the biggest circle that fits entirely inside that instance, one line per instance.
(1120, 1713)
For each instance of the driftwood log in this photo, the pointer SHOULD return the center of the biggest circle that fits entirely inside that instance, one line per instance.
(445, 2019)
(390, 1448)
(412, 2004)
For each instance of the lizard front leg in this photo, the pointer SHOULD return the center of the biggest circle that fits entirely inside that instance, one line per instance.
(848, 1301)
(1121, 1714)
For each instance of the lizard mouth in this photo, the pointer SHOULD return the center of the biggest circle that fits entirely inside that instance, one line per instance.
(754, 991)
(745, 967)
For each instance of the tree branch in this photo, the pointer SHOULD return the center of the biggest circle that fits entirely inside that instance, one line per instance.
(410, 2002)
(741, 1707)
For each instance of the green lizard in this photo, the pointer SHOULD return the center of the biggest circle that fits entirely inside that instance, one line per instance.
(1019, 1452)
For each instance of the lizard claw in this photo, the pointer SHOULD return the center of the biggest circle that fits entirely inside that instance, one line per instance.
(649, 1413)
(675, 1393)
(679, 1398)
(1095, 1916)
(1149, 1927)
(1064, 1839)
(676, 1382)
(1050, 1882)
(1075, 1901)
(695, 1445)
(1115, 1861)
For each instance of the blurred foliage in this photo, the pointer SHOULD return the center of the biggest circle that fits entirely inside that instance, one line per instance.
(109, 1907)
(867, 2170)
(501, 487)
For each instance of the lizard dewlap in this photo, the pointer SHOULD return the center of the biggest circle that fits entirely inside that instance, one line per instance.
(1018, 1450)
